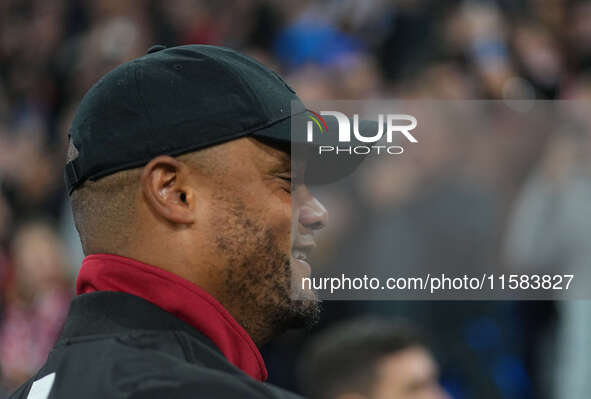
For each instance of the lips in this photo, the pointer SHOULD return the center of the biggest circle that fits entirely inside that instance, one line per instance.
(302, 248)
(300, 254)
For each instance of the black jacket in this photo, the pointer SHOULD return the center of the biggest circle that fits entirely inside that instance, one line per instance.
(116, 345)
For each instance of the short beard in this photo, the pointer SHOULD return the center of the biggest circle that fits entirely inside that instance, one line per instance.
(257, 281)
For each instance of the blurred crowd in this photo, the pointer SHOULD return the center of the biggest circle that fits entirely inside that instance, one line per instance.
(51, 52)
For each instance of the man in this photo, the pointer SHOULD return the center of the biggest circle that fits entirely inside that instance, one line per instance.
(180, 179)
(370, 359)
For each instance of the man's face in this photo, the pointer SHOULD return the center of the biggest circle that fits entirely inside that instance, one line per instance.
(408, 374)
(262, 233)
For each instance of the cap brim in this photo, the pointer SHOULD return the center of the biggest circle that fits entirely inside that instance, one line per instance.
(322, 166)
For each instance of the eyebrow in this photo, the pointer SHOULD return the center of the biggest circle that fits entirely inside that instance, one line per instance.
(284, 157)
(280, 166)
(281, 160)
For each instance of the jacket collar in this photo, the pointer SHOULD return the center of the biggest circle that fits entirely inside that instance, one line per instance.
(177, 296)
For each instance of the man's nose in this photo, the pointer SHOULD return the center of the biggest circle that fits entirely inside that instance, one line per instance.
(313, 215)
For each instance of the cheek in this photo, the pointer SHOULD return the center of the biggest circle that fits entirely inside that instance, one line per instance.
(277, 216)
(282, 222)
(270, 207)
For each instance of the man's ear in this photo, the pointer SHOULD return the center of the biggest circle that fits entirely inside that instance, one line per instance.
(165, 188)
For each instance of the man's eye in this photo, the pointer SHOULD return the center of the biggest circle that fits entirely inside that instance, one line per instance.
(287, 179)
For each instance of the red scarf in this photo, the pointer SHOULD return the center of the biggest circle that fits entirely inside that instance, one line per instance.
(185, 300)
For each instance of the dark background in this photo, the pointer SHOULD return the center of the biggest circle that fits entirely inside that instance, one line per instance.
(51, 52)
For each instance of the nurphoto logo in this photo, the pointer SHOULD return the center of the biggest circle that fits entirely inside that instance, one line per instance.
(395, 125)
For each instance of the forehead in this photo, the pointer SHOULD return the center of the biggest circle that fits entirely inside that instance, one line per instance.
(246, 156)
(410, 364)
(268, 153)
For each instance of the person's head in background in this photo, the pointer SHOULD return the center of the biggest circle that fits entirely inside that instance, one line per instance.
(38, 258)
(369, 358)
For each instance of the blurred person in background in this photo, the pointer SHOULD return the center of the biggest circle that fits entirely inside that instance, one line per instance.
(370, 358)
(5, 228)
(548, 232)
(51, 52)
(37, 299)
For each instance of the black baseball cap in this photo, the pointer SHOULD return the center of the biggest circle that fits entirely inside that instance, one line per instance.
(173, 101)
